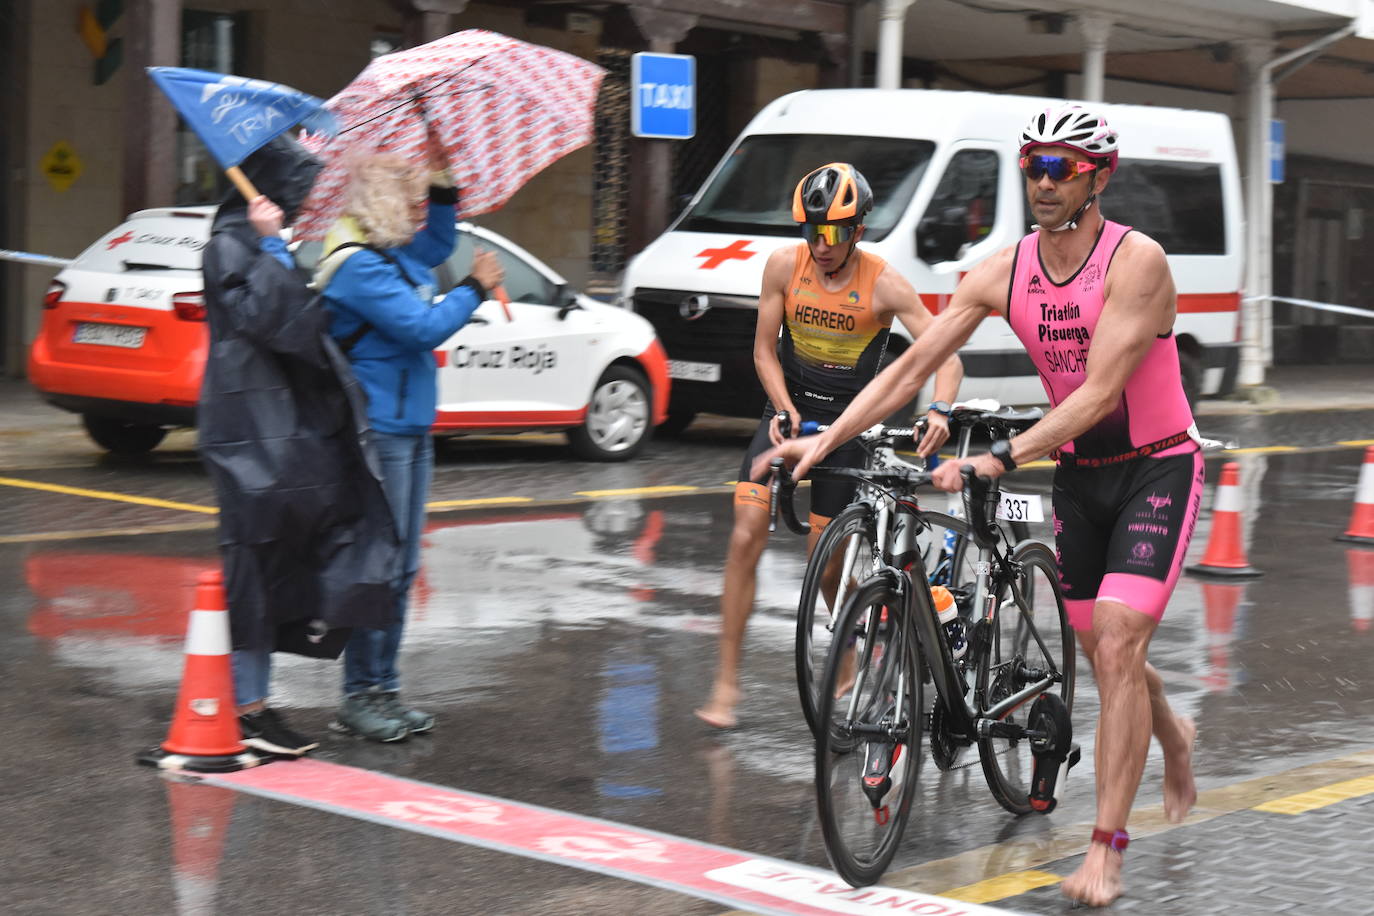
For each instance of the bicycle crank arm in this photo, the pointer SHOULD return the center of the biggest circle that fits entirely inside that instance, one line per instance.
(887, 732)
(996, 728)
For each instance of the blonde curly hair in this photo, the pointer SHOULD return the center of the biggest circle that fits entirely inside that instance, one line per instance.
(381, 190)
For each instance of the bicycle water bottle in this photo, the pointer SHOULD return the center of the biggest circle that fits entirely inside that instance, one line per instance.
(948, 612)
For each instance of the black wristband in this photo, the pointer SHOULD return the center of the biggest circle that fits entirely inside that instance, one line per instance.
(477, 287)
(439, 195)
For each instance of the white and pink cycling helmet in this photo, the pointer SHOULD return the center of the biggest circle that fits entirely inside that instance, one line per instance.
(1074, 127)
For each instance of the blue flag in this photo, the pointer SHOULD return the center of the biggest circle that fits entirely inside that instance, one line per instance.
(233, 115)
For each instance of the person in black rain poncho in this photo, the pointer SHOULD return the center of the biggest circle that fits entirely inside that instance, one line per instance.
(307, 538)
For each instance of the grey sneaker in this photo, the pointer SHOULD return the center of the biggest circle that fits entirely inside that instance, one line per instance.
(362, 715)
(389, 702)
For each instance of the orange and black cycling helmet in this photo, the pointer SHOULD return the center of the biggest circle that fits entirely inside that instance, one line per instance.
(831, 194)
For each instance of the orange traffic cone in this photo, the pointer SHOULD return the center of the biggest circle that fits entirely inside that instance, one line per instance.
(1360, 564)
(1225, 555)
(204, 736)
(1361, 530)
(1220, 601)
(200, 817)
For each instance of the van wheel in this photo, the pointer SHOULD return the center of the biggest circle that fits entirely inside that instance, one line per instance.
(122, 437)
(677, 422)
(618, 417)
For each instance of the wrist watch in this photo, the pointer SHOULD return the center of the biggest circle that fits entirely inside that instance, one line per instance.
(940, 407)
(1001, 450)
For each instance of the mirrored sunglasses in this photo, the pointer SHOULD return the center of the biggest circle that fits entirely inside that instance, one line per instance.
(832, 233)
(1059, 168)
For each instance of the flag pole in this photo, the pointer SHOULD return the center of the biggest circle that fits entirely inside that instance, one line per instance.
(241, 182)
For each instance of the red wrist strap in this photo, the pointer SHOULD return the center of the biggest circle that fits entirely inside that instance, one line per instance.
(1113, 839)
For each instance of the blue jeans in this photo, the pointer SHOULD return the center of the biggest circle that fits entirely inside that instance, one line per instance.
(252, 674)
(407, 466)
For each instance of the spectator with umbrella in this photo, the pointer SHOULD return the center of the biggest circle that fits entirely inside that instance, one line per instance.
(496, 110)
(377, 285)
(306, 534)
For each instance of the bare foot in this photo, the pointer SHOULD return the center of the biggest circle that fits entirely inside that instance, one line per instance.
(1180, 792)
(1098, 880)
(719, 711)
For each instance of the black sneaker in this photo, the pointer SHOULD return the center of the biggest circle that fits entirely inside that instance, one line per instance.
(266, 731)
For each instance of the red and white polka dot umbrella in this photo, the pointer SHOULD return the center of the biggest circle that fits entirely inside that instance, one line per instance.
(502, 108)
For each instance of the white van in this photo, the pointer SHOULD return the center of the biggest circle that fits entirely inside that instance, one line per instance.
(948, 193)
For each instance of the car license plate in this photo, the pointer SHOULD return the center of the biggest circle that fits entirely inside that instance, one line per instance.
(1016, 507)
(109, 335)
(693, 372)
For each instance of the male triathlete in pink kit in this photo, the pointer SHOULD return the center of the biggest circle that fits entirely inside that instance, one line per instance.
(1094, 304)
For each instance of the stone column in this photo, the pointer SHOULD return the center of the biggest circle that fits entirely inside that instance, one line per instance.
(1096, 29)
(1256, 316)
(891, 21)
(651, 161)
(152, 39)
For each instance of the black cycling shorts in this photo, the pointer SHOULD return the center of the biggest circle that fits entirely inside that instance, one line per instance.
(1121, 532)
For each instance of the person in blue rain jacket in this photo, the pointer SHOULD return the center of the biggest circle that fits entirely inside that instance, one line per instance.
(379, 290)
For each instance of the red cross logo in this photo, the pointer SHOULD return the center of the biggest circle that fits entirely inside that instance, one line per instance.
(735, 251)
(118, 240)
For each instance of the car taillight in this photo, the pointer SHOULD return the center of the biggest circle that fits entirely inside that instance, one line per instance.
(54, 294)
(189, 306)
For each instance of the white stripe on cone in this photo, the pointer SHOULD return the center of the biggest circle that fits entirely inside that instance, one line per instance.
(1364, 490)
(1228, 500)
(208, 633)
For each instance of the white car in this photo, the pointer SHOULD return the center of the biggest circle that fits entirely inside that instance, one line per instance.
(123, 343)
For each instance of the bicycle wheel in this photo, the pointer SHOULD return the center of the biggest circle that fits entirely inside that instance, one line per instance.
(844, 557)
(1029, 636)
(868, 758)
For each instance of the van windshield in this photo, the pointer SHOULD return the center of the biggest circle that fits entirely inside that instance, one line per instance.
(752, 193)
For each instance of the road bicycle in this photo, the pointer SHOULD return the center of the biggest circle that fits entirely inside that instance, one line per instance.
(889, 642)
(856, 542)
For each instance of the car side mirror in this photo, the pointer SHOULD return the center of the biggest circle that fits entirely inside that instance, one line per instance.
(941, 234)
(566, 299)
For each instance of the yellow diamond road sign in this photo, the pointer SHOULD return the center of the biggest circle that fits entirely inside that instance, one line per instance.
(61, 165)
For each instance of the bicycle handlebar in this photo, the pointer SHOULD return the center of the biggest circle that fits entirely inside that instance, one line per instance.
(783, 487)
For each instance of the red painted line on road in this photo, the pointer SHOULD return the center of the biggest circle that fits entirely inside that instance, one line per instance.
(727, 876)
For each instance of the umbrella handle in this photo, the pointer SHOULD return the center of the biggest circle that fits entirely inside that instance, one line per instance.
(499, 293)
(241, 182)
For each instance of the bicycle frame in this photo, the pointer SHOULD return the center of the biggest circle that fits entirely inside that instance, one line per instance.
(996, 573)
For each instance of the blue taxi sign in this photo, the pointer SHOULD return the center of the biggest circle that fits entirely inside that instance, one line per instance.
(663, 96)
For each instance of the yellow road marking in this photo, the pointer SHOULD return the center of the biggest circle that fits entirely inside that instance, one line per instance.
(1009, 859)
(104, 533)
(1002, 887)
(1319, 798)
(1262, 449)
(490, 501)
(1356, 442)
(107, 495)
(638, 491)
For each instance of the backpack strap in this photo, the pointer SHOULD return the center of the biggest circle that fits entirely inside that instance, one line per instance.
(351, 341)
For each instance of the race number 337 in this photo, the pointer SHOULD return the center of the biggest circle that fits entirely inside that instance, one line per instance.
(1016, 507)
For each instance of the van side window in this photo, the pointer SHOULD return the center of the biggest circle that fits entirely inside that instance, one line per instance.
(1178, 204)
(963, 209)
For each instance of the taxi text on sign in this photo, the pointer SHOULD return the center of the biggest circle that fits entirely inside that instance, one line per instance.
(663, 96)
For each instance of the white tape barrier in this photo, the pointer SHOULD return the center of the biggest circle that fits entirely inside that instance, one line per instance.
(41, 260)
(1318, 306)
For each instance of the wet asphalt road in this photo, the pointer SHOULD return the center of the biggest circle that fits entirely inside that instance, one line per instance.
(563, 643)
